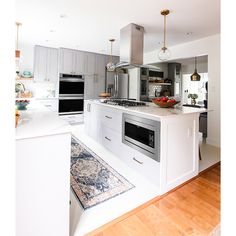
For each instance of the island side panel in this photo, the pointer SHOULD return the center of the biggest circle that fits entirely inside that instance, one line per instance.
(179, 150)
(43, 185)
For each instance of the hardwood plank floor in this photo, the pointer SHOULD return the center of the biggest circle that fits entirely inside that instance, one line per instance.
(191, 210)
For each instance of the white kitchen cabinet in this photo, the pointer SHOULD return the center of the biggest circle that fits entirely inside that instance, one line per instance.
(43, 185)
(72, 61)
(91, 120)
(51, 104)
(45, 64)
(179, 150)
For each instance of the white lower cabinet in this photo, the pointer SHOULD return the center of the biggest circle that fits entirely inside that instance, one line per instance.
(141, 163)
(42, 185)
(51, 104)
(104, 124)
(110, 139)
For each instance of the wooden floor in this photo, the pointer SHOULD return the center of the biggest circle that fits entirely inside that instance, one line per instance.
(193, 209)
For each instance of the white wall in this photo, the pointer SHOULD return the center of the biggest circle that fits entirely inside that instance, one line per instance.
(206, 46)
(27, 57)
(202, 67)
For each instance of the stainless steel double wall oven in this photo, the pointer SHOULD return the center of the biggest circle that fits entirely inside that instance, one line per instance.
(71, 94)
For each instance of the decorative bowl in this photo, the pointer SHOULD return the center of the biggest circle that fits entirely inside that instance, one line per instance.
(167, 104)
(22, 104)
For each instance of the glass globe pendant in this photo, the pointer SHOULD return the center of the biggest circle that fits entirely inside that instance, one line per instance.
(110, 65)
(164, 53)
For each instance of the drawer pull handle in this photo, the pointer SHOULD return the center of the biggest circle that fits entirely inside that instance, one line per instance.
(107, 138)
(140, 162)
(108, 117)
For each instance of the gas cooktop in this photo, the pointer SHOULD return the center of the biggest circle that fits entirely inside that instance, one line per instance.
(123, 102)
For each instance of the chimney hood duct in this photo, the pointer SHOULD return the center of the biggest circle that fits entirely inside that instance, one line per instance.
(131, 46)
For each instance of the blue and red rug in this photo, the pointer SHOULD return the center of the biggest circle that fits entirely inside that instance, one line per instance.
(92, 180)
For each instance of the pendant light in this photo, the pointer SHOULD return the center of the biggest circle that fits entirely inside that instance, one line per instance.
(111, 65)
(17, 51)
(195, 76)
(164, 53)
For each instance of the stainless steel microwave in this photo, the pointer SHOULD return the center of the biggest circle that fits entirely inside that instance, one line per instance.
(142, 134)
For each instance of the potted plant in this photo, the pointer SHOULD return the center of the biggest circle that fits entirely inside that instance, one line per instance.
(193, 97)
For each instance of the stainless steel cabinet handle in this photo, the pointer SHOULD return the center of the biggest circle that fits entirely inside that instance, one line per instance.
(107, 138)
(88, 107)
(108, 117)
(140, 162)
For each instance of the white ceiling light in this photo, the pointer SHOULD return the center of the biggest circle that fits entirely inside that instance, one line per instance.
(110, 64)
(164, 53)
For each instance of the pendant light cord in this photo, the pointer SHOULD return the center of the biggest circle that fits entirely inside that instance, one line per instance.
(164, 31)
(17, 35)
(195, 63)
(111, 53)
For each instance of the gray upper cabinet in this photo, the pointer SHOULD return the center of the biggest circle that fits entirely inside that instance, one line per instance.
(45, 64)
(72, 61)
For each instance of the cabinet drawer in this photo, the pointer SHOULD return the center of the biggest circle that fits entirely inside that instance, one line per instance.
(111, 118)
(111, 139)
(51, 104)
(141, 163)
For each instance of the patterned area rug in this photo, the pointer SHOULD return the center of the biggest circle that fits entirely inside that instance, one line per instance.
(92, 180)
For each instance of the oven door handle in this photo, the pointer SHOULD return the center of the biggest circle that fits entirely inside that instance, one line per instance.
(70, 98)
(71, 80)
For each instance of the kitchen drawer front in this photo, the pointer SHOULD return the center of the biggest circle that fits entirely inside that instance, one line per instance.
(50, 104)
(112, 118)
(141, 163)
(110, 139)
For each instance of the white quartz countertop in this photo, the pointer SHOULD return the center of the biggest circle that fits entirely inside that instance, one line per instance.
(154, 111)
(38, 120)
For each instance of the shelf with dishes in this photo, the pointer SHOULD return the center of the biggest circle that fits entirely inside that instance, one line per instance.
(156, 82)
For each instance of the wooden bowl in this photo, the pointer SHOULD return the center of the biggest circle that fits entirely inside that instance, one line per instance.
(165, 104)
(104, 95)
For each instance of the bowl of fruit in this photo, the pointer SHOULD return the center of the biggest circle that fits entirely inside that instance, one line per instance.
(22, 104)
(165, 102)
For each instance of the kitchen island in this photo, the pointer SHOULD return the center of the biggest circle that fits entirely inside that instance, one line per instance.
(177, 144)
(43, 142)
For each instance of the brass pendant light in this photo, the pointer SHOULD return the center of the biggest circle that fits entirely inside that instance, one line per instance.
(111, 66)
(164, 53)
(17, 51)
(195, 76)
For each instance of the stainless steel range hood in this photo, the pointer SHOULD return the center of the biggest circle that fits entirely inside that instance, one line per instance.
(131, 46)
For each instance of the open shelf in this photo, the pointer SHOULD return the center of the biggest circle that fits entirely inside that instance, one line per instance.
(156, 83)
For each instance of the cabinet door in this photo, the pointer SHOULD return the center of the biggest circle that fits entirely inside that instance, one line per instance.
(80, 62)
(99, 74)
(89, 87)
(67, 61)
(90, 63)
(40, 63)
(52, 65)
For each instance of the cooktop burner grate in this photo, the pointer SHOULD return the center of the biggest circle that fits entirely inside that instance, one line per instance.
(123, 102)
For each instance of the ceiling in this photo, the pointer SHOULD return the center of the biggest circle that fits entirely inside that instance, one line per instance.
(88, 24)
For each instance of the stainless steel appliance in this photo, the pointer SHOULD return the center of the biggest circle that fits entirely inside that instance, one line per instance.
(71, 94)
(142, 134)
(124, 103)
(117, 84)
(131, 46)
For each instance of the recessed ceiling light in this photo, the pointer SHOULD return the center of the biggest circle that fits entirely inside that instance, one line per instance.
(189, 33)
(63, 15)
(52, 31)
